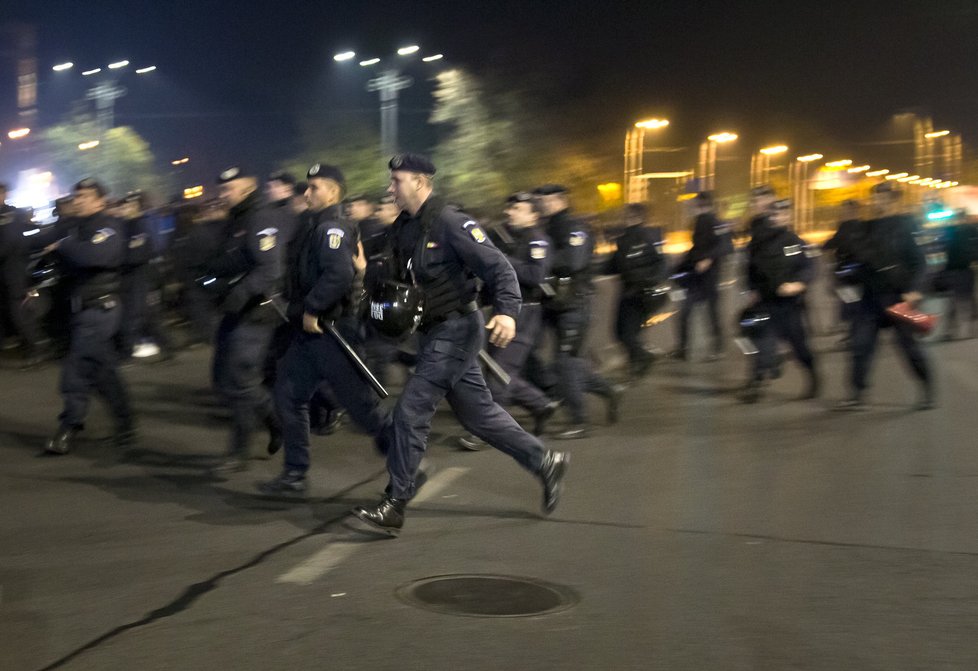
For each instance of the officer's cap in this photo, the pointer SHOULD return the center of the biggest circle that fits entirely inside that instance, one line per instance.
(412, 163)
(549, 189)
(91, 183)
(232, 173)
(326, 171)
(781, 205)
(520, 197)
(282, 176)
(762, 190)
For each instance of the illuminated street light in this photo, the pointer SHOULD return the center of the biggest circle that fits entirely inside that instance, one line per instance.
(908, 178)
(431, 59)
(878, 173)
(95, 71)
(344, 56)
(180, 161)
(18, 133)
(839, 164)
(808, 158)
(652, 124)
(720, 138)
(899, 175)
(142, 71)
(936, 134)
(634, 184)
(859, 169)
(118, 64)
(91, 144)
(369, 61)
(407, 51)
(773, 151)
(63, 66)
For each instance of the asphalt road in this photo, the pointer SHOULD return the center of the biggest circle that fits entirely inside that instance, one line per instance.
(697, 533)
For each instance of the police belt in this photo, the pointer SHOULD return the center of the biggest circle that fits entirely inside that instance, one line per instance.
(430, 322)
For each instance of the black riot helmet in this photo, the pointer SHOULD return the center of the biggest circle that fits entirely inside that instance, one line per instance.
(395, 308)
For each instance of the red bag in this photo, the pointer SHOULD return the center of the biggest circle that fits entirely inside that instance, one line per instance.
(921, 322)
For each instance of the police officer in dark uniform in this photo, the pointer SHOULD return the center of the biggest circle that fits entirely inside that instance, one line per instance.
(958, 277)
(320, 287)
(568, 310)
(779, 271)
(92, 256)
(844, 244)
(15, 251)
(759, 204)
(702, 267)
(250, 262)
(640, 261)
(892, 271)
(280, 190)
(443, 250)
(527, 248)
(380, 351)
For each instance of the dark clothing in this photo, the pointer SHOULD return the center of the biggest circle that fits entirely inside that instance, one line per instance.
(92, 256)
(776, 255)
(15, 231)
(320, 266)
(446, 251)
(191, 253)
(640, 262)
(702, 287)
(251, 260)
(894, 266)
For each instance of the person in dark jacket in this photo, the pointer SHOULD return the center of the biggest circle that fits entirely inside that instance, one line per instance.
(893, 271)
(701, 269)
(640, 261)
(250, 264)
(958, 279)
(444, 251)
(779, 272)
(844, 244)
(16, 230)
(92, 256)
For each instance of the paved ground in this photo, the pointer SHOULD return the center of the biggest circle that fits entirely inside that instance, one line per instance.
(697, 534)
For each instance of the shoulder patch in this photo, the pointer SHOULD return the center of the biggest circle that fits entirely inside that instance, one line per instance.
(476, 232)
(538, 252)
(335, 237)
(137, 241)
(101, 235)
(792, 250)
(267, 239)
(577, 238)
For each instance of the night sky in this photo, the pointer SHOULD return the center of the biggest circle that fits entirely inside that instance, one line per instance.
(234, 77)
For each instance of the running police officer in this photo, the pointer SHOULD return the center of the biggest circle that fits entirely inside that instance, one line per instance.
(892, 270)
(844, 244)
(320, 287)
(280, 190)
(250, 261)
(444, 250)
(702, 264)
(779, 272)
(759, 204)
(640, 262)
(568, 311)
(92, 255)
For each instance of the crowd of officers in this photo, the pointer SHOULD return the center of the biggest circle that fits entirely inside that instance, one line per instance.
(296, 285)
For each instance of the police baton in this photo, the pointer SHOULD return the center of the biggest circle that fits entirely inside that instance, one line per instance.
(494, 368)
(344, 345)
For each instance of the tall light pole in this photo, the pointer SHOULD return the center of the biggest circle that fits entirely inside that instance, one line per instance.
(802, 194)
(635, 158)
(388, 84)
(760, 169)
(708, 158)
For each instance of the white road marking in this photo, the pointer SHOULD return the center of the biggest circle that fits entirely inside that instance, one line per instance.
(319, 564)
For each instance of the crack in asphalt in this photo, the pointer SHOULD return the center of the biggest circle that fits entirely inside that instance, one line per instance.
(192, 593)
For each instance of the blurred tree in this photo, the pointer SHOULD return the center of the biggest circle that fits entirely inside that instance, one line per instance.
(350, 145)
(122, 160)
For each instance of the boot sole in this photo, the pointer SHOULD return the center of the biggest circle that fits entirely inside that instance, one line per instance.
(372, 527)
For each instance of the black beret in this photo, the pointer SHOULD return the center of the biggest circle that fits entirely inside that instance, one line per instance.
(300, 188)
(781, 205)
(762, 190)
(91, 183)
(234, 172)
(550, 189)
(520, 197)
(326, 171)
(412, 163)
(282, 176)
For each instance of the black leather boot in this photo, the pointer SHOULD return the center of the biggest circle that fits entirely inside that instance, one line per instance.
(552, 476)
(291, 484)
(386, 516)
(61, 442)
(542, 416)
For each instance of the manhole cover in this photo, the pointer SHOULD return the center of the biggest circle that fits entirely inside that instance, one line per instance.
(487, 595)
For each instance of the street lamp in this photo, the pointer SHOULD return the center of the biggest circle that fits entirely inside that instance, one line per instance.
(388, 84)
(142, 71)
(91, 144)
(60, 67)
(708, 157)
(804, 202)
(635, 157)
(18, 133)
(760, 167)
